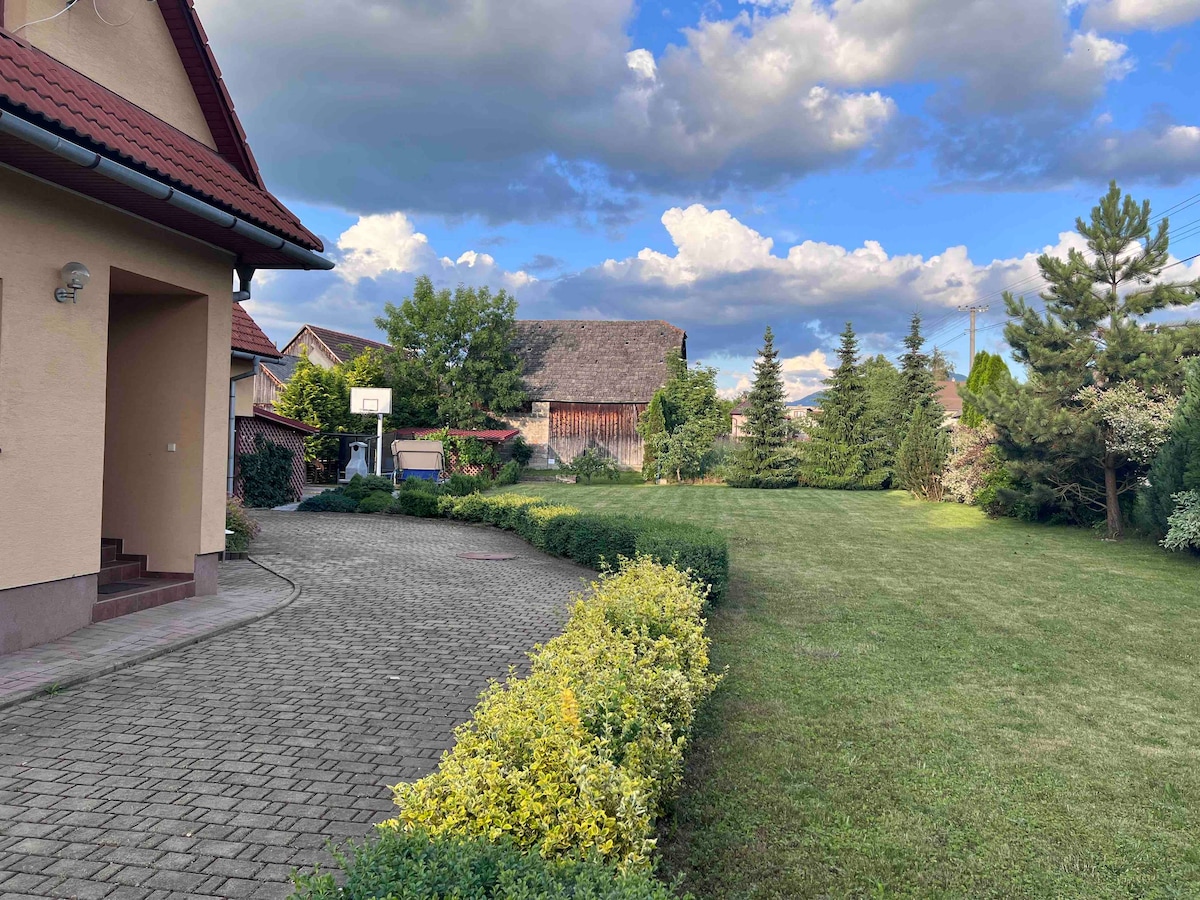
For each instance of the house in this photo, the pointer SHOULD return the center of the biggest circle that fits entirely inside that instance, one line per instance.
(738, 417)
(588, 382)
(129, 198)
(947, 395)
(251, 350)
(327, 348)
(272, 377)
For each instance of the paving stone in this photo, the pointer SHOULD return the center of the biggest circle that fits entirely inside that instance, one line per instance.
(215, 770)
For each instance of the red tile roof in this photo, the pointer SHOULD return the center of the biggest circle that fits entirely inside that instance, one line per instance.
(248, 337)
(263, 413)
(490, 435)
(36, 86)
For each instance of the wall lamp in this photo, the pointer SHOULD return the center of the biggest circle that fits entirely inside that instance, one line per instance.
(74, 277)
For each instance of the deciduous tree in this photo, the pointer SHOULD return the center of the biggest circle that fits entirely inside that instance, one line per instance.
(453, 361)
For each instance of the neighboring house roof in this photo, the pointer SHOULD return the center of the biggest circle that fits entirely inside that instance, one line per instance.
(947, 395)
(280, 370)
(248, 337)
(596, 362)
(335, 342)
(48, 93)
(488, 435)
(263, 412)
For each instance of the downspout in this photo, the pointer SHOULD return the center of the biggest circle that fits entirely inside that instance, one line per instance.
(255, 361)
(131, 178)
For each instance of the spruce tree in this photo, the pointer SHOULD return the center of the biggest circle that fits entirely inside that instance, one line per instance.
(1177, 466)
(766, 414)
(917, 387)
(923, 453)
(1090, 334)
(837, 456)
(881, 382)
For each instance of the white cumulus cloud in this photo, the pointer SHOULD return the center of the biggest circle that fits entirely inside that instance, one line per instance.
(1132, 15)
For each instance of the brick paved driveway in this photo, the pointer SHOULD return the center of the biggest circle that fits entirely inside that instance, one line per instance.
(215, 770)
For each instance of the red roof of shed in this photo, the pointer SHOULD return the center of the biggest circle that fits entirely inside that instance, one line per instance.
(38, 87)
(263, 413)
(248, 337)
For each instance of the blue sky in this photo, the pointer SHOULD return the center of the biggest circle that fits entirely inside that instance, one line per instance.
(722, 165)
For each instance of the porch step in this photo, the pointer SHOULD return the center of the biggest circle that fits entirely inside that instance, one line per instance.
(142, 593)
(109, 549)
(118, 570)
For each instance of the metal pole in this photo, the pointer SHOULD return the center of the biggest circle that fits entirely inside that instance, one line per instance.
(379, 447)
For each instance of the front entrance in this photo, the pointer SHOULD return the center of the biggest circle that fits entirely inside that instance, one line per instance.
(153, 444)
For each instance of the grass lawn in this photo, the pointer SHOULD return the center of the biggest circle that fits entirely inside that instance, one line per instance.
(924, 703)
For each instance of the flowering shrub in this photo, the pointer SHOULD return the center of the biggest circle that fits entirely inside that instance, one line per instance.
(577, 758)
(1135, 424)
(1184, 533)
(973, 456)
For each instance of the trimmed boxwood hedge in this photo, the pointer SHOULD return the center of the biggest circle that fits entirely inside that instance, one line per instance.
(596, 539)
(400, 865)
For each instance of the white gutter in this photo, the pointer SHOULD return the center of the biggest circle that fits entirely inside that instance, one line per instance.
(87, 159)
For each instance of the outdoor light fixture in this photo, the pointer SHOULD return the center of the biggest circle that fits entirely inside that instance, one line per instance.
(74, 277)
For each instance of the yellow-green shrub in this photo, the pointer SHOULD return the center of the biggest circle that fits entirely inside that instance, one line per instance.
(577, 757)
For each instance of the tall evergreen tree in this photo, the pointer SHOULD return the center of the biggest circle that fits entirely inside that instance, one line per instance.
(1091, 334)
(989, 372)
(923, 453)
(881, 383)
(766, 413)
(1177, 467)
(841, 451)
(917, 387)
(653, 428)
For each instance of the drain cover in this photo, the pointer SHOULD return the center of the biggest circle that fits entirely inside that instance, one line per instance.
(496, 557)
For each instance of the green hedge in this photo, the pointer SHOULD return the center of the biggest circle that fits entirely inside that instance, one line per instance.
(330, 501)
(415, 503)
(596, 539)
(577, 758)
(401, 865)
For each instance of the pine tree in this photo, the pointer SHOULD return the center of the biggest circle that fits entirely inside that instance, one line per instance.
(1090, 334)
(1177, 466)
(923, 453)
(766, 414)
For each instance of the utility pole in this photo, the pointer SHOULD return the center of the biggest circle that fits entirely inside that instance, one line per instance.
(974, 311)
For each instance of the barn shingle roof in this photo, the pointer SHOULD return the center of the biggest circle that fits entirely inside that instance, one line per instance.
(595, 361)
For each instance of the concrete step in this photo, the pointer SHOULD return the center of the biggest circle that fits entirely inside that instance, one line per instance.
(143, 593)
(109, 550)
(118, 570)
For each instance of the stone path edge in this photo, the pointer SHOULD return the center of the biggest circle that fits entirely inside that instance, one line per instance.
(128, 662)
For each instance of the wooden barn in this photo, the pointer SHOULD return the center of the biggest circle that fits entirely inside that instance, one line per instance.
(588, 382)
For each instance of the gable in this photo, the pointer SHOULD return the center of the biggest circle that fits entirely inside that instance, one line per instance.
(135, 57)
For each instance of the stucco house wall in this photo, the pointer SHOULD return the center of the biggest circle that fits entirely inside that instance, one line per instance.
(54, 365)
(137, 61)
